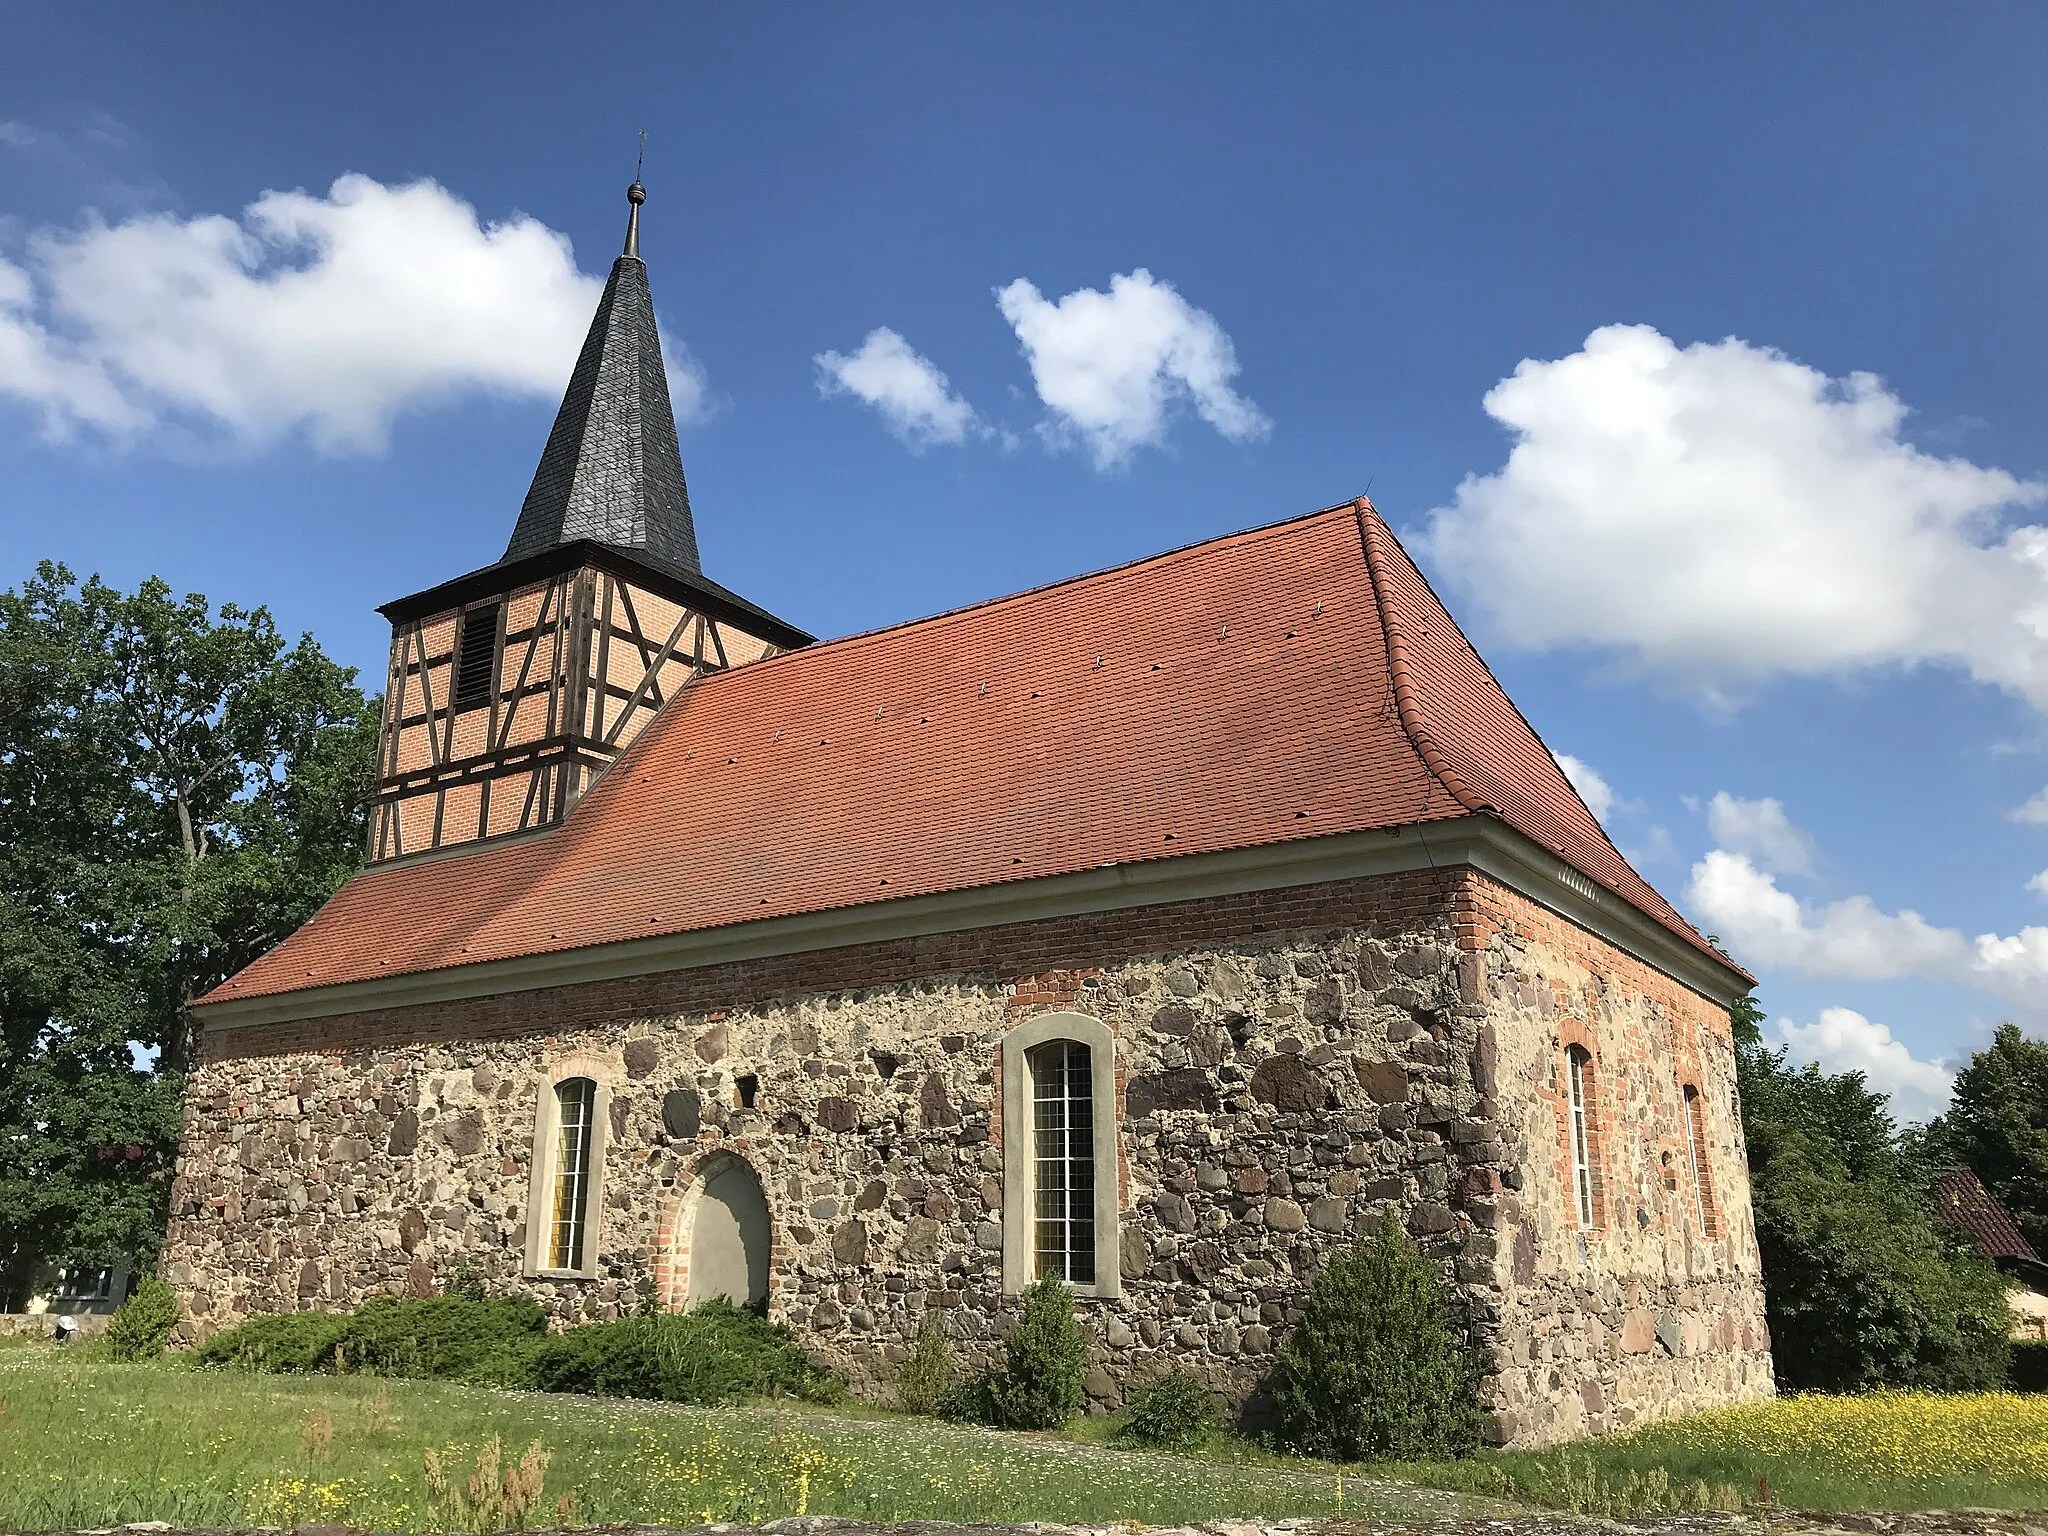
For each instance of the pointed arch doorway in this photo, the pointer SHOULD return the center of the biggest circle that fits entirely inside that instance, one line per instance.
(728, 1237)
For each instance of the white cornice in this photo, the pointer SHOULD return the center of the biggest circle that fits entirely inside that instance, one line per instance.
(1482, 842)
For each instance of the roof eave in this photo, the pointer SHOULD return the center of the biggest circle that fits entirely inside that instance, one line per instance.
(1484, 843)
(635, 565)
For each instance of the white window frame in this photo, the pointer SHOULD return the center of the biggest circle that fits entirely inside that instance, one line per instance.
(547, 1134)
(1576, 1060)
(1020, 1150)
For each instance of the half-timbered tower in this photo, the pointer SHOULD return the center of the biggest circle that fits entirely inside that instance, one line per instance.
(511, 688)
(1163, 929)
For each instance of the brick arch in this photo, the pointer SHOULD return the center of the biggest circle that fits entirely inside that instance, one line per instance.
(672, 1233)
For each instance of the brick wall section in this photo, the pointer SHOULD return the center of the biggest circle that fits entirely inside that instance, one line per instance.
(1289, 1064)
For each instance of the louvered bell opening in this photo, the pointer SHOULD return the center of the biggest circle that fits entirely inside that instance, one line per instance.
(476, 656)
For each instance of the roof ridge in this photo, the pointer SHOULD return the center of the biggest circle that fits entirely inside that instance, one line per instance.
(1406, 702)
(1121, 568)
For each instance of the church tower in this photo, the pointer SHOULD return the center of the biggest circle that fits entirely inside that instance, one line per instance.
(510, 689)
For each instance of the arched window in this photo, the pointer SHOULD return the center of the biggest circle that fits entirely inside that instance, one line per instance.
(1060, 1184)
(566, 1196)
(575, 1106)
(1063, 1161)
(1696, 1154)
(1578, 1069)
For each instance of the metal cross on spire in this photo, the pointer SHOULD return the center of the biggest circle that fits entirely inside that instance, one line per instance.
(636, 195)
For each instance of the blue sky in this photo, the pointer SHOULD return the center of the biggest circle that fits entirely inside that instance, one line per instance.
(1767, 531)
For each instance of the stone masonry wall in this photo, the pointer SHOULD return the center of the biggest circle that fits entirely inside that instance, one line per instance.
(1289, 1063)
(1658, 1308)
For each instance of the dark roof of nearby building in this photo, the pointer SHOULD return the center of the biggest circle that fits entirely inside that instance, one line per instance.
(1962, 1200)
(612, 470)
(1284, 684)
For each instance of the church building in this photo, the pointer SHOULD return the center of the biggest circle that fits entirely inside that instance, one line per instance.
(1160, 929)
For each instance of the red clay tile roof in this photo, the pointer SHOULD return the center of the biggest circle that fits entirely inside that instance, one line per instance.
(1291, 682)
(1963, 1200)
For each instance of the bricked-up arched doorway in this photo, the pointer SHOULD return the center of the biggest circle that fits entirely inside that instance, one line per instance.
(729, 1236)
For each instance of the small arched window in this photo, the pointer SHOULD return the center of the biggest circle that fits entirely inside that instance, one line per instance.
(1578, 1067)
(566, 1196)
(1060, 1184)
(1696, 1154)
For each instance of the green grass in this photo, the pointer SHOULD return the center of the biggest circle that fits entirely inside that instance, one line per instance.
(1896, 1451)
(90, 1444)
(1888, 1450)
(87, 1444)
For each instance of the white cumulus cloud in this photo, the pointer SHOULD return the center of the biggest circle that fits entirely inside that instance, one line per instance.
(1586, 779)
(1843, 1040)
(330, 316)
(1854, 940)
(912, 395)
(1719, 515)
(2033, 811)
(2039, 884)
(1112, 367)
(1761, 831)
(1846, 940)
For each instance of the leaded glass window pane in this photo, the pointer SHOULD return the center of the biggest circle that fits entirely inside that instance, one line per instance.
(1063, 1160)
(575, 1102)
(1577, 1065)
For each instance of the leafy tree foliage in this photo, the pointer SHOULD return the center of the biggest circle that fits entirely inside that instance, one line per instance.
(179, 788)
(1997, 1126)
(1864, 1286)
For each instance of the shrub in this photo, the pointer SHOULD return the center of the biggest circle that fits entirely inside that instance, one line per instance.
(452, 1338)
(2030, 1365)
(967, 1402)
(714, 1354)
(1174, 1411)
(1048, 1355)
(455, 1338)
(287, 1342)
(1378, 1367)
(928, 1373)
(142, 1326)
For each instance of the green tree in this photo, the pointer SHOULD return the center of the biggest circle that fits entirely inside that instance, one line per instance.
(179, 788)
(1997, 1126)
(1863, 1285)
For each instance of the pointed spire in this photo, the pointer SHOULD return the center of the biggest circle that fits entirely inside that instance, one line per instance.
(612, 470)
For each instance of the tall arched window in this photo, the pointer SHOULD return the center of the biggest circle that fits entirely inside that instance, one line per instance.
(565, 1201)
(1696, 1154)
(575, 1110)
(1060, 1186)
(1578, 1069)
(1063, 1161)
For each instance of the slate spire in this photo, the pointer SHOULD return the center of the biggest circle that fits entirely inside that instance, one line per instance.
(612, 470)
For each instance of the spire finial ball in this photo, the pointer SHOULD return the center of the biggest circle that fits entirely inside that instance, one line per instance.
(636, 194)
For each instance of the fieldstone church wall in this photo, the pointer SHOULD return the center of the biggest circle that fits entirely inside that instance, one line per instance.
(1289, 1064)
